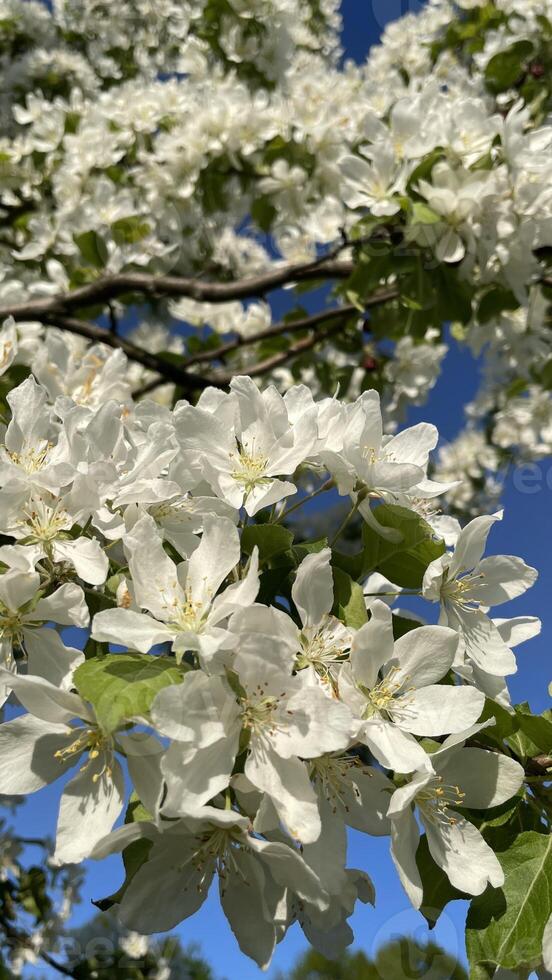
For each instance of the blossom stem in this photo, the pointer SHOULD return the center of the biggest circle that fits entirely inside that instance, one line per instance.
(304, 500)
(344, 524)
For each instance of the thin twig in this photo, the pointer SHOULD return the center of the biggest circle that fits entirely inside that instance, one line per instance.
(16, 938)
(293, 326)
(270, 363)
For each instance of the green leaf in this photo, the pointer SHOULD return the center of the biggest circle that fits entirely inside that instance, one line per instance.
(92, 248)
(128, 231)
(349, 603)
(538, 728)
(403, 562)
(494, 302)
(438, 890)
(505, 925)
(33, 893)
(300, 551)
(94, 649)
(422, 214)
(270, 539)
(122, 686)
(505, 724)
(263, 213)
(507, 68)
(403, 625)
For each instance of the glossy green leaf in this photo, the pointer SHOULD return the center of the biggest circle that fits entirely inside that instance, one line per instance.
(122, 686)
(505, 925)
(349, 602)
(270, 539)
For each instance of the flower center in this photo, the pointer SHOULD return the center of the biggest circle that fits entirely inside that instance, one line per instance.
(249, 469)
(259, 711)
(435, 799)
(320, 650)
(380, 698)
(216, 852)
(334, 774)
(463, 591)
(31, 460)
(11, 623)
(45, 522)
(93, 741)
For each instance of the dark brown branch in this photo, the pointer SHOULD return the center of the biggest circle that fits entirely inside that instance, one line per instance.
(262, 367)
(109, 288)
(292, 326)
(168, 370)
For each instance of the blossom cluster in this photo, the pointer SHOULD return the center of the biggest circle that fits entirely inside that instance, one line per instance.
(204, 135)
(256, 699)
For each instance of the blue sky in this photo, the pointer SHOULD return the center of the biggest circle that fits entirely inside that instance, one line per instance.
(524, 531)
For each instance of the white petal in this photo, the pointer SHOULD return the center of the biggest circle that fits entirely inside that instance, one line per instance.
(243, 903)
(451, 247)
(239, 594)
(518, 630)
(66, 606)
(46, 701)
(48, 657)
(287, 783)
(367, 805)
(136, 631)
(547, 946)
(289, 869)
(312, 723)
(312, 591)
(405, 838)
(263, 495)
(143, 754)
(218, 553)
(27, 754)
(88, 810)
(153, 573)
(393, 748)
(483, 642)
(413, 445)
(87, 558)
(425, 655)
(505, 577)
(471, 543)
(199, 712)
(18, 588)
(161, 895)
(487, 778)
(372, 645)
(460, 850)
(195, 776)
(439, 709)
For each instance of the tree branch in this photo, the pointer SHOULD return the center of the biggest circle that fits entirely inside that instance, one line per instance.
(169, 371)
(16, 937)
(262, 367)
(109, 288)
(292, 326)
